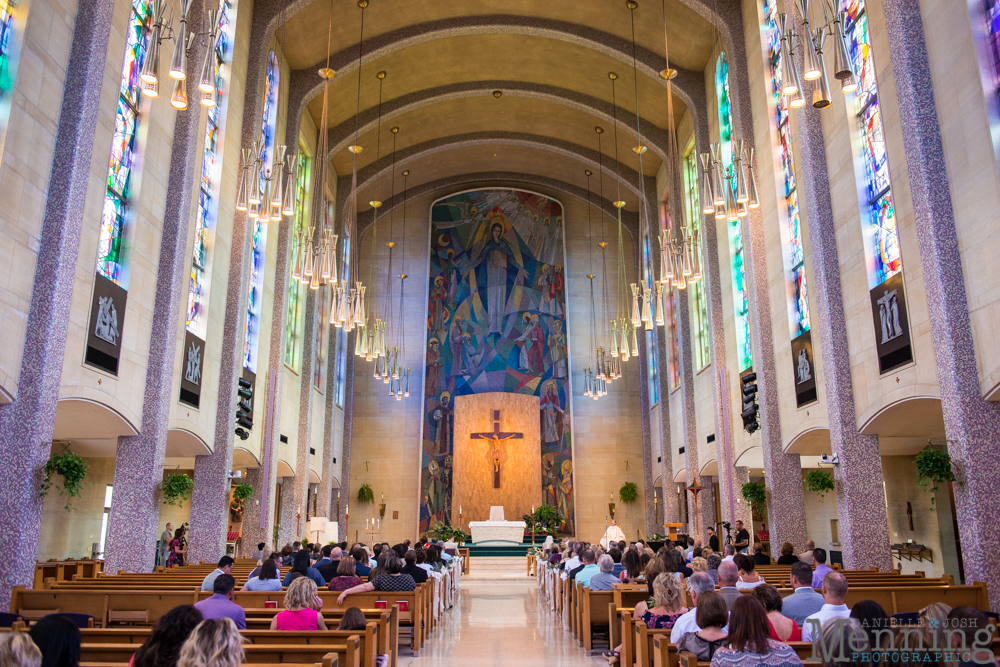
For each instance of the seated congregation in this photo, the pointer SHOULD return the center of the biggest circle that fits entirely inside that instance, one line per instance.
(685, 606)
(303, 605)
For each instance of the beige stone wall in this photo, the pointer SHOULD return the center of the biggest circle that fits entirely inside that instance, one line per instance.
(27, 148)
(386, 435)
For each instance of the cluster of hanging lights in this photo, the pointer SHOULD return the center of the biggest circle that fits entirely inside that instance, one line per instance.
(161, 29)
(814, 67)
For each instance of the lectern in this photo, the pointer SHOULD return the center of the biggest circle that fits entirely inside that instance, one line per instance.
(672, 530)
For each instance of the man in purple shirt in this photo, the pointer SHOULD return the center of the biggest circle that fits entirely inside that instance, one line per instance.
(221, 604)
(819, 557)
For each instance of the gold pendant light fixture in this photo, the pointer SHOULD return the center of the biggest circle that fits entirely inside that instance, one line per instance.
(607, 368)
(400, 376)
(594, 383)
(622, 330)
(372, 333)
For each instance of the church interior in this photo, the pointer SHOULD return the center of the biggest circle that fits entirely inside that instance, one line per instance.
(488, 272)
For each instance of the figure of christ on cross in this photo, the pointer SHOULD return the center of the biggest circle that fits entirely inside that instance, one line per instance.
(497, 437)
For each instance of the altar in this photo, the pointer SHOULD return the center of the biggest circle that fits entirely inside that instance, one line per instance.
(496, 531)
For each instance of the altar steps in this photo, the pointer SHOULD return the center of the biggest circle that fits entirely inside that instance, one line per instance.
(511, 551)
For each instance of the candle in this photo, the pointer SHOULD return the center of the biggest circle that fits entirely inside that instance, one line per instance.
(532, 509)
(366, 524)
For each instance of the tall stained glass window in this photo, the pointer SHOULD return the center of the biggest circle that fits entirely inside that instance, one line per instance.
(798, 303)
(743, 350)
(697, 297)
(673, 336)
(296, 289)
(256, 283)
(211, 169)
(654, 370)
(123, 147)
(878, 213)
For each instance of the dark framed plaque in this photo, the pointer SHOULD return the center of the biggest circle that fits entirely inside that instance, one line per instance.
(191, 369)
(804, 369)
(892, 327)
(107, 320)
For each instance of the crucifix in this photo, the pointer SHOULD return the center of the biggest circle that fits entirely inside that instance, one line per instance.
(497, 437)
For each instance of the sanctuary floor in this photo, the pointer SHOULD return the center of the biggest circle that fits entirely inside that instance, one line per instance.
(496, 621)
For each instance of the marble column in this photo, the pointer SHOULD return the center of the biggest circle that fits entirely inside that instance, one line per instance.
(209, 499)
(649, 448)
(783, 472)
(26, 424)
(287, 532)
(296, 488)
(252, 532)
(972, 424)
(135, 507)
(861, 511)
(717, 345)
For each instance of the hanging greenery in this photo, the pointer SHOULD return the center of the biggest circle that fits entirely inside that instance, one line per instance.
(365, 494)
(754, 494)
(933, 469)
(628, 493)
(819, 482)
(241, 493)
(72, 468)
(177, 489)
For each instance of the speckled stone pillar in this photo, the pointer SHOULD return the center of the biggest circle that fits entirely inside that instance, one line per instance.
(345, 462)
(649, 448)
(295, 490)
(209, 499)
(972, 424)
(861, 511)
(135, 506)
(783, 472)
(26, 424)
(252, 533)
(716, 317)
(286, 523)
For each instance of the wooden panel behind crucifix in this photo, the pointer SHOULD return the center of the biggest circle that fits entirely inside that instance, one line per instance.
(497, 437)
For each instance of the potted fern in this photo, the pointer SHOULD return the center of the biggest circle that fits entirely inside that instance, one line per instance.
(365, 494)
(73, 470)
(933, 469)
(819, 482)
(628, 493)
(177, 489)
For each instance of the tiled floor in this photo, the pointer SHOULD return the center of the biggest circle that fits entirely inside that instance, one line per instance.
(496, 621)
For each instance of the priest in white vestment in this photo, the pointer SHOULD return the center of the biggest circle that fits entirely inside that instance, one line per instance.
(613, 534)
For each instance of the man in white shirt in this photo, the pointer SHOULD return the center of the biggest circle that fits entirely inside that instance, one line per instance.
(225, 567)
(697, 583)
(689, 552)
(730, 552)
(834, 591)
(573, 562)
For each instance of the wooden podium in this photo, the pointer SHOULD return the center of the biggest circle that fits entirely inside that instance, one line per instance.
(672, 530)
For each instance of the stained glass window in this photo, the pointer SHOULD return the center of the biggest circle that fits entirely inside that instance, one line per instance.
(296, 289)
(211, 168)
(6, 27)
(878, 214)
(697, 298)
(123, 146)
(319, 342)
(798, 304)
(256, 282)
(673, 336)
(654, 370)
(743, 351)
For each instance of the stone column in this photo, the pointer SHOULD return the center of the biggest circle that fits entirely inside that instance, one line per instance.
(972, 424)
(135, 507)
(783, 472)
(209, 499)
(286, 525)
(861, 512)
(295, 489)
(717, 345)
(26, 424)
(252, 532)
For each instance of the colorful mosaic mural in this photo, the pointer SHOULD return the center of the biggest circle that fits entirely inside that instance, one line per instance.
(496, 322)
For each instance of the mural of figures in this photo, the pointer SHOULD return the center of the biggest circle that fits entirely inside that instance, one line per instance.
(496, 322)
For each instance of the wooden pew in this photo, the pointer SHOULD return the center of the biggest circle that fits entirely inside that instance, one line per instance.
(643, 644)
(596, 606)
(344, 654)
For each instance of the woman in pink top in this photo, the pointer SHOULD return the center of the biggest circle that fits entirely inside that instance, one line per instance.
(302, 606)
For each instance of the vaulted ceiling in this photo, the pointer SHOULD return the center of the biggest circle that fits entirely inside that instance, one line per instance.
(548, 59)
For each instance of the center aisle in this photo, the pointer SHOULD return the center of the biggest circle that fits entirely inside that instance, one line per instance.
(496, 621)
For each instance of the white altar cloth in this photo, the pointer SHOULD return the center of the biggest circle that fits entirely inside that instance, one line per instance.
(497, 533)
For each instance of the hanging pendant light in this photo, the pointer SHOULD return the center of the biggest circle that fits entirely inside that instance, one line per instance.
(821, 88)
(720, 192)
(178, 63)
(842, 69)
(179, 98)
(732, 213)
(707, 194)
(812, 69)
(696, 257)
(148, 74)
(636, 317)
(741, 182)
(752, 181)
(647, 307)
(660, 321)
(297, 266)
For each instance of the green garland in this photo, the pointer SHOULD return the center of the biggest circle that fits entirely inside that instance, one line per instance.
(73, 470)
(241, 493)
